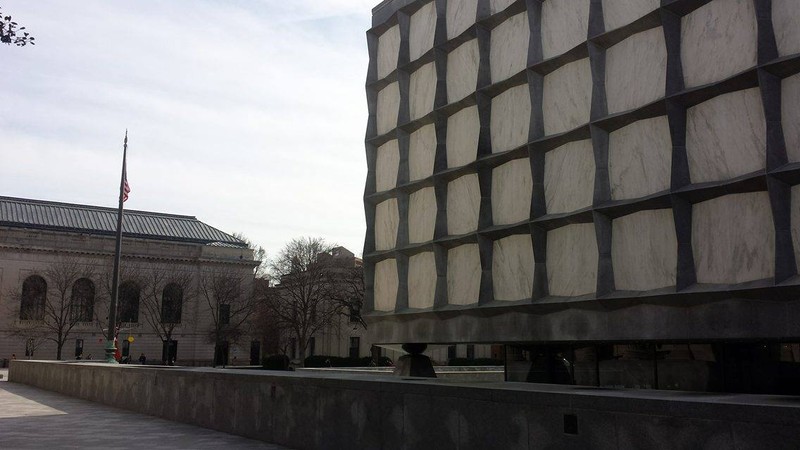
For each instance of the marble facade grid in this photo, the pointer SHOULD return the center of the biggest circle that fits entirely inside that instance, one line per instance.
(776, 178)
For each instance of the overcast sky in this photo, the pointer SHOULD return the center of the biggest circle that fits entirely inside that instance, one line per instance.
(249, 115)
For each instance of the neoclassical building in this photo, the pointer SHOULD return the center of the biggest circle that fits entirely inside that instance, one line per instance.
(55, 265)
(611, 187)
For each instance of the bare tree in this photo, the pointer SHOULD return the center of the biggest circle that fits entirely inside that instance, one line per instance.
(10, 34)
(261, 271)
(129, 274)
(49, 309)
(165, 298)
(229, 296)
(310, 294)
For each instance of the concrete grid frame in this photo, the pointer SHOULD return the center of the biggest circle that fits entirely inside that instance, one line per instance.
(701, 95)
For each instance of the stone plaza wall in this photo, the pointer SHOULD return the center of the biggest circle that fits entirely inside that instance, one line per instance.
(567, 170)
(307, 411)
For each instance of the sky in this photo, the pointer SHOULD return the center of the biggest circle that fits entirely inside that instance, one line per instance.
(249, 115)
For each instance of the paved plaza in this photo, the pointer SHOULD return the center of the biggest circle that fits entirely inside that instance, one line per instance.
(34, 418)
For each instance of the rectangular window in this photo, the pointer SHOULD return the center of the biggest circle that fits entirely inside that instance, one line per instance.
(470, 351)
(451, 352)
(312, 344)
(224, 314)
(78, 348)
(293, 348)
(355, 311)
(355, 345)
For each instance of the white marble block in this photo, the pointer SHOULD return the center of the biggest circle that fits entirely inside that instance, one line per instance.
(718, 40)
(512, 189)
(512, 267)
(463, 274)
(421, 215)
(387, 218)
(386, 165)
(388, 51)
(421, 152)
(388, 108)
(636, 71)
(567, 98)
(644, 250)
(617, 13)
(495, 6)
(421, 280)
(511, 117)
(726, 136)
(569, 177)
(733, 239)
(572, 260)
(463, 204)
(422, 30)
(796, 220)
(785, 20)
(640, 158)
(463, 130)
(422, 91)
(386, 285)
(509, 47)
(460, 16)
(565, 24)
(790, 116)
(462, 71)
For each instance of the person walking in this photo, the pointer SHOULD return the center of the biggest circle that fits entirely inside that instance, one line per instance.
(142, 359)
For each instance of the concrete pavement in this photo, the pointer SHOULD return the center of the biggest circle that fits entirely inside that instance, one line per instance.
(33, 418)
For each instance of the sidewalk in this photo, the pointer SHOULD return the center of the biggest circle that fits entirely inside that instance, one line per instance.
(34, 418)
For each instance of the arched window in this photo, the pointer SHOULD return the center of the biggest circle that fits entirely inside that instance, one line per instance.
(34, 296)
(83, 300)
(171, 303)
(128, 302)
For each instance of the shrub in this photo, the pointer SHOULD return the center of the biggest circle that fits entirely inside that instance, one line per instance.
(276, 362)
(336, 361)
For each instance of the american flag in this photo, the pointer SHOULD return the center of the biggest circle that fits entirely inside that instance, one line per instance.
(126, 188)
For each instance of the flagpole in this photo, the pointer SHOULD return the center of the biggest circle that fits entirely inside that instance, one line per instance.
(110, 348)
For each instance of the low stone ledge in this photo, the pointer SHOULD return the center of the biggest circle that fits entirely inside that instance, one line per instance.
(335, 410)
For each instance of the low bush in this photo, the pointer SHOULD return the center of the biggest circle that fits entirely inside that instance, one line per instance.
(276, 362)
(475, 362)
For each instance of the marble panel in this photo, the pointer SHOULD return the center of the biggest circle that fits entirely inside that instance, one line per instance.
(644, 250)
(512, 267)
(386, 165)
(569, 177)
(421, 280)
(785, 20)
(636, 71)
(511, 116)
(790, 116)
(572, 260)
(640, 158)
(567, 97)
(726, 136)
(796, 221)
(718, 40)
(421, 215)
(495, 6)
(386, 283)
(463, 204)
(617, 13)
(422, 31)
(422, 152)
(733, 239)
(512, 189)
(460, 16)
(388, 108)
(462, 71)
(463, 274)
(387, 218)
(565, 24)
(388, 51)
(463, 130)
(508, 52)
(422, 91)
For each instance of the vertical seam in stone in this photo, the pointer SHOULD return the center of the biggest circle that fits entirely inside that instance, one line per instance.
(440, 256)
(485, 249)
(401, 302)
(780, 199)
